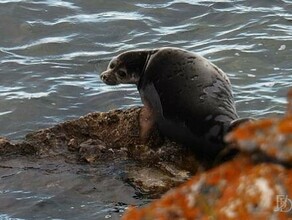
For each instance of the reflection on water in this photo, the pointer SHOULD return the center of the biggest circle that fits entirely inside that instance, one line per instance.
(45, 189)
(51, 54)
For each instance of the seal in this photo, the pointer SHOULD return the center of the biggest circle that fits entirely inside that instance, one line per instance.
(186, 96)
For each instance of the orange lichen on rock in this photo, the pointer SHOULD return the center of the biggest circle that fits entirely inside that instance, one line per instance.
(250, 128)
(243, 191)
(285, 126)
(270, 136)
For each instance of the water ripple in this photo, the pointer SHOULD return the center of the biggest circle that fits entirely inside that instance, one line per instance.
(52, 52)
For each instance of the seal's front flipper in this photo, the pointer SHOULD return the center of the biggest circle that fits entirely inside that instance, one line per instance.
(147, 123)
(235, 123)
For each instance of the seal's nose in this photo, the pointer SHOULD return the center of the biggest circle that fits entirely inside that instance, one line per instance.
(108, 78)
(103, 77)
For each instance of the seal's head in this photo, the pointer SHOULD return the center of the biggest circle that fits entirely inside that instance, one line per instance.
(126, 68)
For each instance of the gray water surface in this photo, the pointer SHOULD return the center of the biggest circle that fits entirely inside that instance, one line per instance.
(52, 52)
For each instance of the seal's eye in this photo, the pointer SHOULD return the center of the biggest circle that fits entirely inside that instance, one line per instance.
(121, 73)
(112, 65)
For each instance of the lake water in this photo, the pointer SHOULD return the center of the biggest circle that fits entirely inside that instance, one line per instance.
(52, 52)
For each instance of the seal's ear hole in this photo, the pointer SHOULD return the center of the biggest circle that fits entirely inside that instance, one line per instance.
(122, 73)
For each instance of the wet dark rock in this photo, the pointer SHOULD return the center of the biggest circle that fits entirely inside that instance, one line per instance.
(111, 136)
(93, 151)
(7, 148)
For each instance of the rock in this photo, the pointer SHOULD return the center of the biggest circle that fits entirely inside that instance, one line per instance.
(152, 181)
(111, 136)
(7, 148)
(93, 151)
(238, 189)
(269, 137)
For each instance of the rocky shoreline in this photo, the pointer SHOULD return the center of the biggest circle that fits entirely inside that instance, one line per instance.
(246, 186)
(109, 136)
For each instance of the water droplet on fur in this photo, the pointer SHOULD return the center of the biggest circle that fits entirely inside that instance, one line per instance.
(202, 98)
(194, 77)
